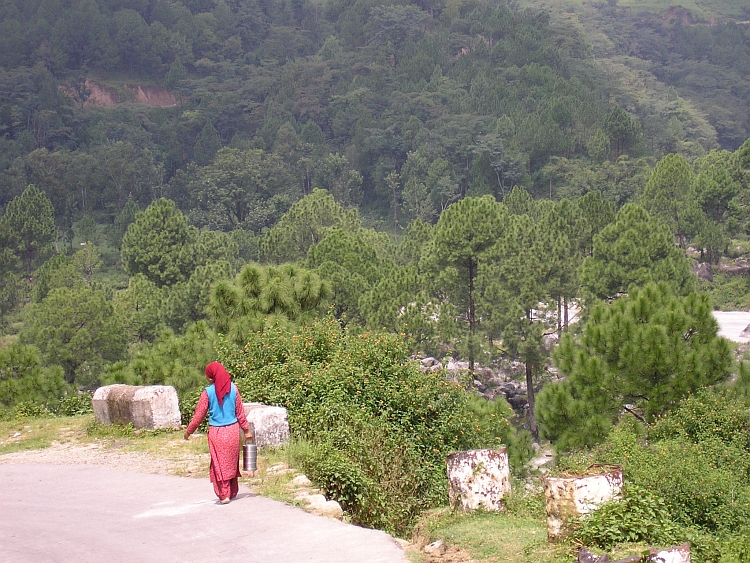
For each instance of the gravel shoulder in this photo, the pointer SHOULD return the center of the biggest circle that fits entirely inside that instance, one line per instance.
(110, 455)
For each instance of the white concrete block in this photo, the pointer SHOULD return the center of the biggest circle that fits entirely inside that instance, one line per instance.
(478, 479)
(150, 407)
(568, 498)
(271, 424)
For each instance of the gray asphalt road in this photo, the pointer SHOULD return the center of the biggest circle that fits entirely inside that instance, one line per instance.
(78, 513)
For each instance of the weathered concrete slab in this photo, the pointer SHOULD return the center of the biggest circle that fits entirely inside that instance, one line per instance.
(271, 424)
(150, 407)
(567, 498)
(677, 554)
(478, 479)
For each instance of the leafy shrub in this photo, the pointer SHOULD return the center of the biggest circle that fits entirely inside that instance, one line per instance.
(75, 404)
(699, 490)
(23, 378)
(187, 402)
(380, 427)
(379, 478)
(178, 361)
(30, 409)
(641, 516)
(696, 460)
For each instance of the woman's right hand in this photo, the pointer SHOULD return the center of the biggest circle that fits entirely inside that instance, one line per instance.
(248, 436)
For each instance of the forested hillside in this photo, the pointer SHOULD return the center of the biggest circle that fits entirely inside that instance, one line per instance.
(446, 100)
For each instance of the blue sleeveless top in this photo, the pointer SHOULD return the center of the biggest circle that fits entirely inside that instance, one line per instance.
(224, 414)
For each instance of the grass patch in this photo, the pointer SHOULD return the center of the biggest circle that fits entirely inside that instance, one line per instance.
(39, 433)
(494, 537)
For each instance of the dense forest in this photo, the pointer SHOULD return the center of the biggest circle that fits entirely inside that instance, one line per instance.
(294, 185)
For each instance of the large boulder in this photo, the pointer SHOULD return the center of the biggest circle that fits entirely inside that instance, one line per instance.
(271, 424)
(149, 407)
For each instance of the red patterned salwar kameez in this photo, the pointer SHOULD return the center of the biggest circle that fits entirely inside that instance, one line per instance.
(224, 447)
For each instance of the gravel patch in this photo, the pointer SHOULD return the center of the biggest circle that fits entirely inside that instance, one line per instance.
(108, 455)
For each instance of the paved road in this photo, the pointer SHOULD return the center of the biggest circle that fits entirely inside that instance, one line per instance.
(78, 513)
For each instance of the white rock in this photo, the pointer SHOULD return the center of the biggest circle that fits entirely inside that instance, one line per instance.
(678, 554)
(151, 407)
(329, 508)
(271, 424)
(301, 481)
(278, 469)
(435, 548)
(570, 497)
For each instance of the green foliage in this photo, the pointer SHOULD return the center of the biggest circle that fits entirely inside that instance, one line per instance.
(77, 329)
(669, 196)
(30, 409)
(639, 517)
(305, 224)
(287, 292)
(649, 349)
(173, 360)
(389, 424)
(23, 378)
(463, 235)
(695, 460)
(75, 404)
(238, 189)
(159, 244)
(30, 218)
(634, 250)
(493, 418)
(728, 292)
(351, 262)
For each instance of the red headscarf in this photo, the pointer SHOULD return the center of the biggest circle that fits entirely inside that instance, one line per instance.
(221, 379)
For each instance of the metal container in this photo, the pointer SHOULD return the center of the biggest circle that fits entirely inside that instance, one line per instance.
(250, 457)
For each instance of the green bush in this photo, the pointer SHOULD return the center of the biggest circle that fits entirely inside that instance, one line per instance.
(75, 404)
(380, 427)
(178, 361)
(695, 461)
(23, 378)
(641, 516)
(700, 491)
(30, 409)
(495, 428)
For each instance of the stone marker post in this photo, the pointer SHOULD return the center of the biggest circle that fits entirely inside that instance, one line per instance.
(567, 498)
(478, 479)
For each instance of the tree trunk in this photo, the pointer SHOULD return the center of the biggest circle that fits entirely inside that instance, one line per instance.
(472, 326)
(530, 396)
(565, 309)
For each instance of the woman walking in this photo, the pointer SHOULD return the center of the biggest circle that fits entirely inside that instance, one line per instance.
(222, 402)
